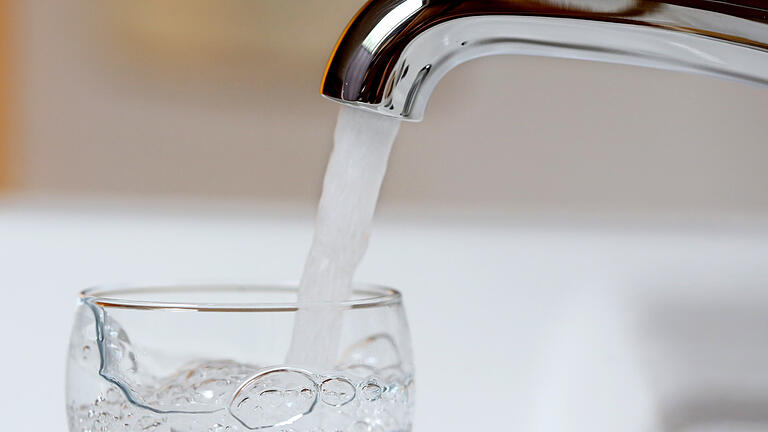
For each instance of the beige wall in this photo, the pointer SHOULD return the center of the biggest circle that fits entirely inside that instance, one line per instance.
(200, 98)
(5, 94)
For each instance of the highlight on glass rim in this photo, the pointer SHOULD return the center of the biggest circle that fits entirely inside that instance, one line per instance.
(214, 216)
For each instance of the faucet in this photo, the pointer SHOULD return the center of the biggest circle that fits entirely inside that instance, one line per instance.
(394, 52)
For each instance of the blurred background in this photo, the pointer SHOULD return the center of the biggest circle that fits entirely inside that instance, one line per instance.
(595, 235)
(196, 99)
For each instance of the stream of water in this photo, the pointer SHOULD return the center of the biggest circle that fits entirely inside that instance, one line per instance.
(362, 143)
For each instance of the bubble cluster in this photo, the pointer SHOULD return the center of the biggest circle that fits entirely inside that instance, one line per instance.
(110, 412)
(200, 387)
(274, 400)
(368, 391)
(274, 397)
(337, 391)
(297, 401)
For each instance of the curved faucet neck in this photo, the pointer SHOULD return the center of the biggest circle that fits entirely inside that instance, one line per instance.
(394, 52)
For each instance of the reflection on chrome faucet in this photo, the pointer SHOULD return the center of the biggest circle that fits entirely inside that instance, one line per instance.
(394, 52)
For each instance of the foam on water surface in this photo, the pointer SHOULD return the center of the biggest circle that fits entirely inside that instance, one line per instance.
(229, 396)
(362, 143)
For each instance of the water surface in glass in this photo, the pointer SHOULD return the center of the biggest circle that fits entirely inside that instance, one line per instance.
(210, 358)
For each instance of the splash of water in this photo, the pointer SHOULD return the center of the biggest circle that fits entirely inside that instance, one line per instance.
(362, 143)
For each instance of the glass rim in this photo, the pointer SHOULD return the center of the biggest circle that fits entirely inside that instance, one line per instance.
(372, 295)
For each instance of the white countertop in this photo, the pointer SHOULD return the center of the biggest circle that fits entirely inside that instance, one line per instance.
(517, 326)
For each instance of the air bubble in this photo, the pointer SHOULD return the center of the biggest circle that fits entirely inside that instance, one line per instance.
(337, 391)
(104, 417)
(261, 401)
(371, 391)
(86, 352)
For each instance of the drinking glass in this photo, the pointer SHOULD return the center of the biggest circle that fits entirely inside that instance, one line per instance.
(212, 358)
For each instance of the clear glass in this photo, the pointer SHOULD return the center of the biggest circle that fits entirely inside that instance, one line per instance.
(211, 358)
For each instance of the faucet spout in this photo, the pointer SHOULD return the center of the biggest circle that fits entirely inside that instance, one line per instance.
(394, 52)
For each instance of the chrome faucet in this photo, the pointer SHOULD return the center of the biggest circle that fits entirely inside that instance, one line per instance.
(394, 52)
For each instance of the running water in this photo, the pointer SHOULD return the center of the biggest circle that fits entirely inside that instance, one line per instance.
(362, 143)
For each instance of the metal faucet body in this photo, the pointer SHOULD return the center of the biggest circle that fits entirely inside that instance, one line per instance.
(394, 52)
